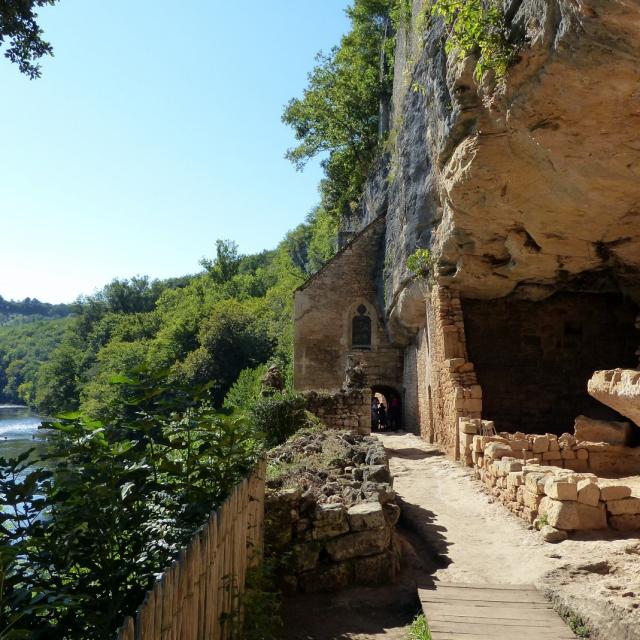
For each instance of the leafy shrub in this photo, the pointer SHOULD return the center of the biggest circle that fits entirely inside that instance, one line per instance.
(91, 522)
(579, 626)
(477, 25)
(278, 416)
(245, 391)
(420, 262)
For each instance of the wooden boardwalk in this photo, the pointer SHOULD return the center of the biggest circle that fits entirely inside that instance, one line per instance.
(496, 612)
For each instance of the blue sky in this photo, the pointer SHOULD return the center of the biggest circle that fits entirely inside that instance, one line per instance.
(153, 131)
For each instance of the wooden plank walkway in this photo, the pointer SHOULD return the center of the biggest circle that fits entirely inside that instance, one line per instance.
(498, 612)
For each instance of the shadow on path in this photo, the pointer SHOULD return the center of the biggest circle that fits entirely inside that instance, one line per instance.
(411, 453)
(377, 612)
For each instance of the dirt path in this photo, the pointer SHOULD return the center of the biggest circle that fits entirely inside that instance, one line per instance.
(474, 539)
(455, 532)
(477, 540)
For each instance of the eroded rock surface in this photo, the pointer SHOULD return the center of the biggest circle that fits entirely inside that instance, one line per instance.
(526, 186)
(618, 389)
(609, 431)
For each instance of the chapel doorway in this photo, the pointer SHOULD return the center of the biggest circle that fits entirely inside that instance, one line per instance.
(387, 414)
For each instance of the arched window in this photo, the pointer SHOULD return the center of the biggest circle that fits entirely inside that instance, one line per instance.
(361, 329)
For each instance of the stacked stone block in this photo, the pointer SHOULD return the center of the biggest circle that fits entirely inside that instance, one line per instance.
(342, 409)
(446, 383)
(547, 479)
(332, 544)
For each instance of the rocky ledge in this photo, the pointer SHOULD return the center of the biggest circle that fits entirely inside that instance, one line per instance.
(618, 389)
(331, 512)
(524, 186)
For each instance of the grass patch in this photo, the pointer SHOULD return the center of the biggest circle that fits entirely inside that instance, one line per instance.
(419, 629)
(578, 626)
(288, 467)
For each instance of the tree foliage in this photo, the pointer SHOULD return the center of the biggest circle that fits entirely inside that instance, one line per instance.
(85, 528)
(226, 263)
(337, 117)
(477, 25)
(199, 329)
(14, 312)
(23, 349)
(21, 34)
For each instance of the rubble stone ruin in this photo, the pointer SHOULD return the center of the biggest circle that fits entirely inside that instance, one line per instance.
(526, 193)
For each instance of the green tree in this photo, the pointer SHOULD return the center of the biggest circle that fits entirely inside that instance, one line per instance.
(339, 113)
(232, 338)
(102, 400)
(19, 30)
(57, 380)
(24, 347)
(226, 263)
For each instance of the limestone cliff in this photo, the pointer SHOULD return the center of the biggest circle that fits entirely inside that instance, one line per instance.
(524, 186)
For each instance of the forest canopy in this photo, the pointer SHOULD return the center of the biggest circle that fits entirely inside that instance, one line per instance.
(205, 328)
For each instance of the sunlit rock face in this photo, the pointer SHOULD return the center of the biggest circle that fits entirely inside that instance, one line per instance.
(525, 186)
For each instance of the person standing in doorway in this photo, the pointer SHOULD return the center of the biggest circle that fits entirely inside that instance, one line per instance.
(382, 417)
(374, 414)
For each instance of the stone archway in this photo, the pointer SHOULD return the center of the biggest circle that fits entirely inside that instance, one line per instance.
(392, 401)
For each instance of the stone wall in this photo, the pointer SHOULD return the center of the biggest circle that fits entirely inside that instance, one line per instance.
(533, 359)
(324, 308)
(336, 528)
(342, 409)
(556, 481)
(416, 405)
(441, 380)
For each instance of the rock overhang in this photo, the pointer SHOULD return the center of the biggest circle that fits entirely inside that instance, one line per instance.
(530, 185)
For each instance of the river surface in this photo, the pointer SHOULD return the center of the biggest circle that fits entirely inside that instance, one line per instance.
(18, 430)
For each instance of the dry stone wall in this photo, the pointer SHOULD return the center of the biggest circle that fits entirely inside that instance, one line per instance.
(342, 409)
(555, 481)
(336, 526)
(443, 381)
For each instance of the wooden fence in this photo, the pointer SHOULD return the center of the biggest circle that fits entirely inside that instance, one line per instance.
(197, 596)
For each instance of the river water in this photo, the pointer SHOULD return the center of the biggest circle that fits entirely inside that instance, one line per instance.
(18, 430)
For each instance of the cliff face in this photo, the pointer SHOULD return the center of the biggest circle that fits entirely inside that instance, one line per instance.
(524, 186)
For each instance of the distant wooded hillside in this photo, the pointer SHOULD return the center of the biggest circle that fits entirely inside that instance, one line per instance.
(29, 310)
